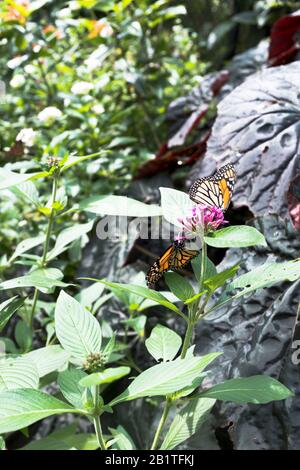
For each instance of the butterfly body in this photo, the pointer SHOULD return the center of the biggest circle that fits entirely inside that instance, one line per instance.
(215, 190)
(176, 256)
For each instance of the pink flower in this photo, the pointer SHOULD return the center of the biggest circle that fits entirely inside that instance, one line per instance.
(201, 220)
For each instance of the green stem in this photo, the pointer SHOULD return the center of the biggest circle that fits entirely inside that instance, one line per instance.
(50, 223)
(203, 264)
(34, 302)
(45, 249)
(97, 422)
(187, 338)
(162, 421)
(194, 316)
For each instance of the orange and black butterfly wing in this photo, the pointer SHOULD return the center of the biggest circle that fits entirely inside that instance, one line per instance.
(182, 256)
(215, 190)
(160, 266)
(175, 257)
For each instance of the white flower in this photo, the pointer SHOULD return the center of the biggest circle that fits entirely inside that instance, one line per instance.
(92, 63)
(17, 81)
(29, 69)
(81, 88)
(49, 115)
(64, 13)
(106, 31)
(98, 108)
(16, 61)
(27, 136)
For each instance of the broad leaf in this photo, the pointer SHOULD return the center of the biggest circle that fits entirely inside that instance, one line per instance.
(163, 343)
(263, 276)
(187, 422)
(235, 236)
(166, 378)
(20, 408)
(9, 178)
(105, 377)
(68, 382)
(26, 245)
(219, 279)
(67, 236)
(48, 359)
(141, 291)
(119, 205)
(90, 294)
(255, 389)
(174, 204)
(123, 441)
(180, 286)
(8, 308)
(18, 372)
(77, 329)
(42, 279)
(65, 438)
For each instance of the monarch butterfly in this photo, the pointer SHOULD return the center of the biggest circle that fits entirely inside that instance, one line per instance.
(175, 257)
(215, 190)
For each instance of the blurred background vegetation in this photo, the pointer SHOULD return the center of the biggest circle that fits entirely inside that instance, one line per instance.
(85, 74)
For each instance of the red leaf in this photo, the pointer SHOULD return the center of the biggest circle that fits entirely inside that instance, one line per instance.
(284, 44)
(167, 160)
(293, 198)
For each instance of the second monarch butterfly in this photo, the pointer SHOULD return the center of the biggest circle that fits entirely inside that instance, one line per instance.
(175, 257)
(215, 190)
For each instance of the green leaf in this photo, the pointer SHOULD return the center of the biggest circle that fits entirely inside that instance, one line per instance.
(69, 384)
(123, 441)
(43, 279)
(187, 422)
(163, 343)
(210, 270)
(179, 286)
(9, 178)
(65, 439)
(16, 373)
(105, 377)
(74, 160)
(263, 276)
(20, 408)
(147, 303)
(141, 291)
(255, 389)
(219, 279)
(77, 330)
(235, 236)
(166, 378)
(90, 294)
(174, 204)
(49, 359)
(119, 205)
(26, 245)
(137, 324)
(23, 336)
(68, 236)
(2, 443)
(8, 308)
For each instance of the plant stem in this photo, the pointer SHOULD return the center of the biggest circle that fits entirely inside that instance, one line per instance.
(50, 223)
(194, 316)
(97, 422)
(162, 421)
(45, 249)
(203, 264)
(187, 338)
